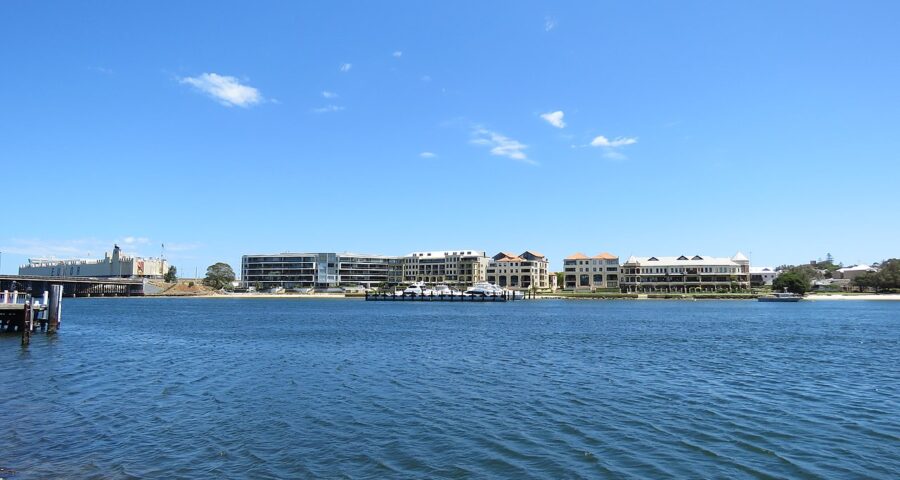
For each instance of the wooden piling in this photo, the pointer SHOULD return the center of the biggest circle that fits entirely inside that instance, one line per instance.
(55, 308)
(27, 319)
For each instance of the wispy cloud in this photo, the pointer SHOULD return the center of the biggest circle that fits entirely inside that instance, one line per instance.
(501, 145)
(328, 109)
(397, 54)
(611, 147)
(427, 155)
(135, 240)
(426, 78)
(226, 90)
(555, 118)
(601, 141)
(549, 23)
(345, 67)
(328, 94)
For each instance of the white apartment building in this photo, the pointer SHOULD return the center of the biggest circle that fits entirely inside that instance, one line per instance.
(760, 276)
(519, 272)
(583, 273)
(685, 274)
(459, 268)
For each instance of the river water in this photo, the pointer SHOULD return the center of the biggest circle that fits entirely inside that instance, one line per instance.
(240, 388)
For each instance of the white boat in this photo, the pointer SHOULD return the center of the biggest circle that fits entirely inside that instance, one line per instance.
(781, 297)
(445, 290)
(417, 289)
(485, 289)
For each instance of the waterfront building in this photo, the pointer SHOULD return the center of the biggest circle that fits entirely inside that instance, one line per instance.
(583, 273)
(519, 272)
(685, 274)
(460, 268)
(115, 264)
(300, 271)
(849, 273)
(762, 276)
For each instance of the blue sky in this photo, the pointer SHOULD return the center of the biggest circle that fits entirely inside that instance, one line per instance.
(645, 128)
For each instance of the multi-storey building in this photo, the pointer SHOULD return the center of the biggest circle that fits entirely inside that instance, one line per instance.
(762, 276)
(590, 273)
(519, 272)
(116, 264)
(685, 274)
(452, 267)
(320, 270)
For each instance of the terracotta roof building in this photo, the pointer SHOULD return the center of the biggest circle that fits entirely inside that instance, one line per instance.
(583, 273)
(524, 271)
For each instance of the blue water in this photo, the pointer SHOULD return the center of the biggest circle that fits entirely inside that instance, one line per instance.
(221, 388)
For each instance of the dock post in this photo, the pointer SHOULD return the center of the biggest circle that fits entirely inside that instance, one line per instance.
(27, 316)
(54, 308)
(15, 296)
(5, 296)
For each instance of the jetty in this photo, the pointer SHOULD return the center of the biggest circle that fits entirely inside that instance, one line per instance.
(443, 297)
(21, 313)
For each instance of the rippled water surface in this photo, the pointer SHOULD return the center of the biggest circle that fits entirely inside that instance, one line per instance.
(213, 388)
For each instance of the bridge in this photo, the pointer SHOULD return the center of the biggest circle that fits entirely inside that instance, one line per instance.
(74, 286)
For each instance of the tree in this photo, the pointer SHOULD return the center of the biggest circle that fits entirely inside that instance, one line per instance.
(171, 276)
(793, 281)
(219, 275)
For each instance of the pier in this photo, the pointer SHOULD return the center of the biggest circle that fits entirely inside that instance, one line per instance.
(23, 314)
(394, 297)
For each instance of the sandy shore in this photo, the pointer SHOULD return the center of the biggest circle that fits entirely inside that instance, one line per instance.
(853, 297)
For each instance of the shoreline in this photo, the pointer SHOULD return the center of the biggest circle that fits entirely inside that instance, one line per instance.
(338, 296)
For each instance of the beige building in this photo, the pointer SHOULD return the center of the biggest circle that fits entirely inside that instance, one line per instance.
(519, 272)
(685, 274)
(460, 268)
(583, 273)
(849, 273)
(116, 264)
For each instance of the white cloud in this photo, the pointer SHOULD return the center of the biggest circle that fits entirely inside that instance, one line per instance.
(135, 240)
(397, 54)
(601, 141)
(555, 118)
(328, 109)
(227, 90)
(549, 23)
(328, 94)
(501, 145)
(345, 67)
(427, 155)
(426, 78)
(614, 155)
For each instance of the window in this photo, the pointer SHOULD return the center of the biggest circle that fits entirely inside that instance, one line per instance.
(598, 278)
(584, 280)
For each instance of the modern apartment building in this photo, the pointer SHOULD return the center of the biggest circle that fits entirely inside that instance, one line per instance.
(685, 274)
(460, 268)
(583, 273)
(319, 270)
(519, 272)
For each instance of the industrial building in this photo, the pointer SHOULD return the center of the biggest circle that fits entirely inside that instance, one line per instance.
(115, 264)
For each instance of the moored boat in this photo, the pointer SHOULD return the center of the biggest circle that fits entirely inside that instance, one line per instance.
(781, 297)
